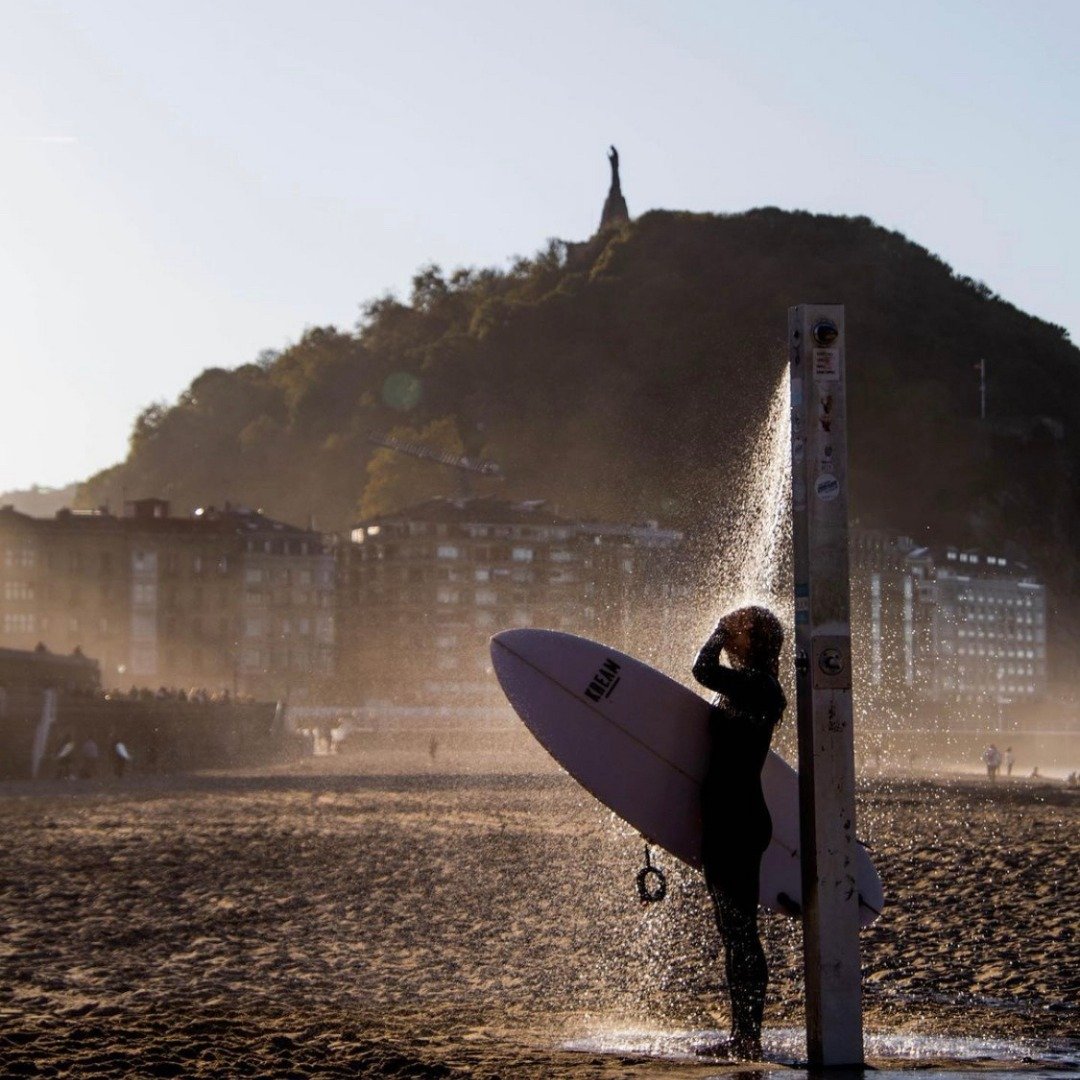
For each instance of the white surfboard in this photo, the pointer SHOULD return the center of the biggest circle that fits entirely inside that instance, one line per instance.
(639, 742)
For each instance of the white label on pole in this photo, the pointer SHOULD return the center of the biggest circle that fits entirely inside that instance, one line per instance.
(826, 487)
(826, 365)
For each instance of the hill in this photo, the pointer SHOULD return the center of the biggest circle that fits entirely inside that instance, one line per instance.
(38, 501)
(625, 378)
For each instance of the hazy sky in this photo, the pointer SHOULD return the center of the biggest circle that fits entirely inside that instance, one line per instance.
(184, 184)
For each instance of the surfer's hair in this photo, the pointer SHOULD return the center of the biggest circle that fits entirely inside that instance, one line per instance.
(766, 636)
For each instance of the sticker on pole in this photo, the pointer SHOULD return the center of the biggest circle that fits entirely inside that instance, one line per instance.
(826, 365)
(826, 487)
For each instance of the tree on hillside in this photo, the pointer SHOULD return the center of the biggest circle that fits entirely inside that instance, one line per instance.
(628, 377)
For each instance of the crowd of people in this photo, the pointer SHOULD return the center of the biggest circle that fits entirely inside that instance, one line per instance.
(198, 695)
(995, 760)
(81, 760)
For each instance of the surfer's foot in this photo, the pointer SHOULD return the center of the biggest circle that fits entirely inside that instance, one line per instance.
(745, 1048)
(719, 1049)
(737, 1048)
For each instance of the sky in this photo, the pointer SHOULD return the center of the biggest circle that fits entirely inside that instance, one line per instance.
(185, 184)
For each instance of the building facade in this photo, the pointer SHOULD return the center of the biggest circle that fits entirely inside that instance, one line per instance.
(945, 626)
(427, 587)
(229, 600)
(989, 630)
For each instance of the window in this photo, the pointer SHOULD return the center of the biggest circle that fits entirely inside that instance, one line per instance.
(18, 623)
(144, 593)
(252, 659)
(18, 590)
(522, 554)
(254, 626)
(253, 576)
(447, 551)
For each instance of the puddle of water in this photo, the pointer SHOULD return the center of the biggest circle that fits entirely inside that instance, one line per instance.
(785, 1049)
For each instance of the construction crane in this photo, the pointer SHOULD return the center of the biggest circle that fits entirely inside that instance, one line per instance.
(465, 465)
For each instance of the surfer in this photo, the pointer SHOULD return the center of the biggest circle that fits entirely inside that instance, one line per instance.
(736, 825)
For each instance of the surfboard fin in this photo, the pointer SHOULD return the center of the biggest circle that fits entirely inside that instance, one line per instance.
(789, 906)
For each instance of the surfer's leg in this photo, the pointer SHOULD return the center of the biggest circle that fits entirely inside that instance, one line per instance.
(747, 970)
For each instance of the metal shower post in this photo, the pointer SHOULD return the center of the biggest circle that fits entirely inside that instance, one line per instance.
(823, 685)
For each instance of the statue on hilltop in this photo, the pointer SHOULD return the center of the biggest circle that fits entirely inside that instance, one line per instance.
(615, 212)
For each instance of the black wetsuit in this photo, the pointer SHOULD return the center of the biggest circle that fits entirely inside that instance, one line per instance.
(736, 822)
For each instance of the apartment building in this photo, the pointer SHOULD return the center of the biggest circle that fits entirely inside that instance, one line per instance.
(426, 587)
(945, 625)
(223, 599)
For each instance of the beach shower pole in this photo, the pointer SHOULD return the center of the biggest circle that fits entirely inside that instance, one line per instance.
(819, 490)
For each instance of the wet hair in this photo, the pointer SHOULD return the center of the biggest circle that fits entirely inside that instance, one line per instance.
(766, 636)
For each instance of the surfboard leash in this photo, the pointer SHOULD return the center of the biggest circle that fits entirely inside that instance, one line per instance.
(651, 882)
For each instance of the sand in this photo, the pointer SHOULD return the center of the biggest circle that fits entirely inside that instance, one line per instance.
(388, 916)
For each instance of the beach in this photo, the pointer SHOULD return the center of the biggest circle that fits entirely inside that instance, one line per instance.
(389, 914)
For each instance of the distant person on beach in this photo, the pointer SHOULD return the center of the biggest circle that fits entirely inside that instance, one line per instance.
(1009, 760)
(992, 759)
(65, 758)
(120, 755)
(89, 754)
(736, 826)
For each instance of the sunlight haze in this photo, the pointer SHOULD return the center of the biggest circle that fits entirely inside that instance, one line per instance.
(187, 184)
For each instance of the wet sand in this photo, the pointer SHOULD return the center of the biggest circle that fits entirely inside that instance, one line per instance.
(385, 915)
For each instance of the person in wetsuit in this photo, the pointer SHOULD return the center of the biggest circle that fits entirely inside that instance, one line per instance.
(736, 826)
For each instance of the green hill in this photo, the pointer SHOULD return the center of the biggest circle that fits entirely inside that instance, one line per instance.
(625, 377)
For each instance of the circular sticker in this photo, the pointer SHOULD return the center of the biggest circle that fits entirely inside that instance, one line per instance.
(826, 487)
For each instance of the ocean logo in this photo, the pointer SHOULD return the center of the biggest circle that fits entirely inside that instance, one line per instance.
(604, 681)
